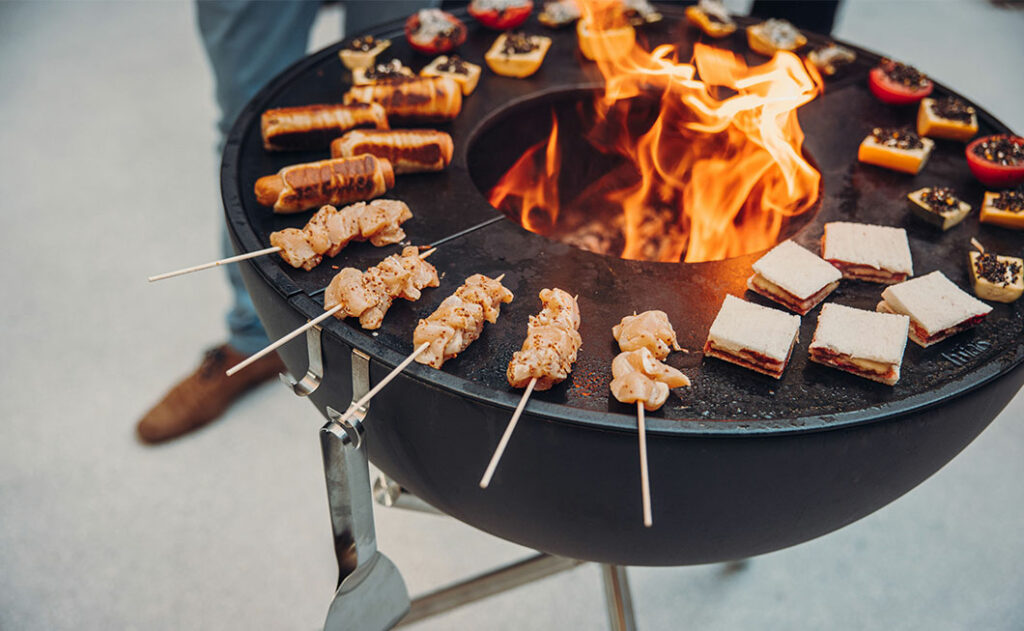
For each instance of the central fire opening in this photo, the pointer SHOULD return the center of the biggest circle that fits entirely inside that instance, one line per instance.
(662, 163)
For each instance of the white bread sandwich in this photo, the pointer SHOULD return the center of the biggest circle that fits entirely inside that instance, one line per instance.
(878, 254)
(793, 277)
(752, 336)
(864, 343)
(937, 308)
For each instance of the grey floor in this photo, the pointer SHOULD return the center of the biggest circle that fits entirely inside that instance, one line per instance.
(108, 174)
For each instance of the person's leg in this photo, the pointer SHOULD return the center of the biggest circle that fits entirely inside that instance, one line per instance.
(248, 43)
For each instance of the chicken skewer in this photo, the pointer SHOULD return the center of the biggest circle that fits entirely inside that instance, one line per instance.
(545, 359)
(450, 329)
(639, 376)
(326, 233)
(366, 295)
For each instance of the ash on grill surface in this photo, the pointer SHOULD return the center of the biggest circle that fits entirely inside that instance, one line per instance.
(488, 138)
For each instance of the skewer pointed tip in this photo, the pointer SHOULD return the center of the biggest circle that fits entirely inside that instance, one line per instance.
(230, 259)
(499, 279)
(492, 466)
(427, 253)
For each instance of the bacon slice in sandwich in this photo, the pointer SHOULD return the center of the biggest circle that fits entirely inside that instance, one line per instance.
(878, 254)
(938, 309)
(752, 336)
(863, 343)
(793, 277)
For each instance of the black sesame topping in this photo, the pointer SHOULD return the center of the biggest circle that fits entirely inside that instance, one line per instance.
(363, 44)
(518, 44)
(1009, 201)
(387, 70)
(941, 199)
(896, 137)
(1002, 273)
(952, 108)
(1001, 150)
(907, 76)
(454, 65)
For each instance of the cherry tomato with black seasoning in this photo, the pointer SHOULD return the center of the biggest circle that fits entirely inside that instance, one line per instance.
(898, 84)
(501, 15)
(432, 31)
(997, 161)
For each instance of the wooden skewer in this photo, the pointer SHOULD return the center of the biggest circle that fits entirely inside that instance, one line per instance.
(394, 372)
(486, 480)
(235, 259)
(281, 342)
(320, 318)
(363, 400)
(230, 259)
(645, 482)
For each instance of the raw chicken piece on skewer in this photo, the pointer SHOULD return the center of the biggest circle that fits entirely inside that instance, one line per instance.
(330, 230)
(326, 233)
(545, 359)
(453, 326)
(460, 318)
(650, 330)
(366, 295)
(639, 377)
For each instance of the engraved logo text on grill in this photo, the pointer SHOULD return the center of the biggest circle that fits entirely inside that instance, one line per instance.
(965, 353)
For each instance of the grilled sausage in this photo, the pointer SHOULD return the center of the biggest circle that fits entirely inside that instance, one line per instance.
(314, 126)
(408, 150)
(415, 99)
(336, 182)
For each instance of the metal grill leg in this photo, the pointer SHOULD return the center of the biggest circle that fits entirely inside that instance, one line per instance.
(371, 594)
(617, 598)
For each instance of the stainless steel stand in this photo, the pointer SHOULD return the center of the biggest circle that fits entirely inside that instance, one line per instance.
(371, 594)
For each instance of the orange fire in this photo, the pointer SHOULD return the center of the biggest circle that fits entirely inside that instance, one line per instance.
(717, 174)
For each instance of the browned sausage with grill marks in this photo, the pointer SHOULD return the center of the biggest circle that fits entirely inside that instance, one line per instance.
(337, 182)
(315, 126)
(412, 99)
(408, 150)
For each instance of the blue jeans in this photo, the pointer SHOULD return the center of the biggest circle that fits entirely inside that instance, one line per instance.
(248, 42)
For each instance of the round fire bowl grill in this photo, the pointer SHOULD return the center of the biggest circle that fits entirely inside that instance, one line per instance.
(740, 463)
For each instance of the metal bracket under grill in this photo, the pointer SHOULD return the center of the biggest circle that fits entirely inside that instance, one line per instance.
(315, 373)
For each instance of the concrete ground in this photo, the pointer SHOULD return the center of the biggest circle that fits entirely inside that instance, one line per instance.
(108, 175)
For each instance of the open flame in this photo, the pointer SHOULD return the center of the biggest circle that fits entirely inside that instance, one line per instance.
(718, 173)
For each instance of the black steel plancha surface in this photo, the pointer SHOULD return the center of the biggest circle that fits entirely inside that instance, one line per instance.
(740, 463)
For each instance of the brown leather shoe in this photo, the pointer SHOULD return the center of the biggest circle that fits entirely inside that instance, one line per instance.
(205, 394)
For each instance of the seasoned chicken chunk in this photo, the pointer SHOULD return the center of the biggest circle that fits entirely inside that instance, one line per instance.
(295, 248)
(650, 330)
(551, 344)
(459, 320)
(329, 230)
(368, 295)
